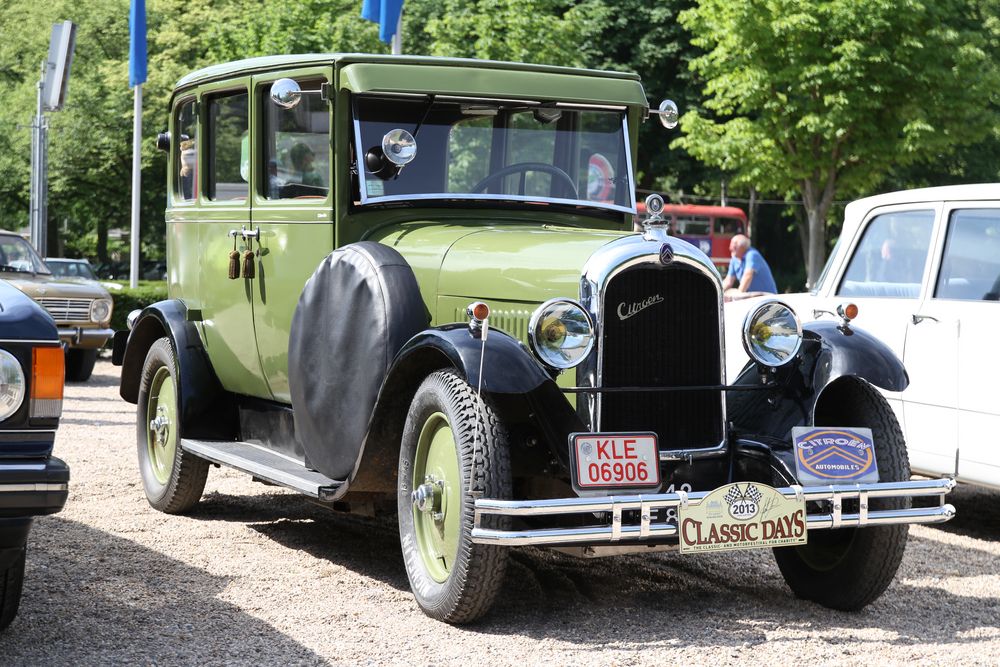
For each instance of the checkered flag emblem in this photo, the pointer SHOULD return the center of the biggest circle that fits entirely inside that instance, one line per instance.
(752, 494)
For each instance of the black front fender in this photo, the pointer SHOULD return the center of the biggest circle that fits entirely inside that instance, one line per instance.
(206, 410)
(828, 353)
(520, 389)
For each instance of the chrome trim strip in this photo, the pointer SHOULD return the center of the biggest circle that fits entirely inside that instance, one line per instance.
(645, 504)
(27, 430)
(28, 342)
(29, 488)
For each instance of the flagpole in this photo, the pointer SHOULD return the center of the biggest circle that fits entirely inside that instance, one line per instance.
(397, 39)
(136, 185)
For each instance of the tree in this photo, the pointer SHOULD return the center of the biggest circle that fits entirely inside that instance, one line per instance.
(826, 98)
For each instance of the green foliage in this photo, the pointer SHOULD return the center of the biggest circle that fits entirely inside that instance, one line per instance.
(822, 98)
(128, 299)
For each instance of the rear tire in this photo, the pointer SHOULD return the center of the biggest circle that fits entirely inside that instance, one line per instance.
(450, 433)
(80, 364)
(11, 584)
(173, 478)
(849, 568)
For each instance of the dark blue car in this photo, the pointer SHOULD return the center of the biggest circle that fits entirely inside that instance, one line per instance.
(32, 481)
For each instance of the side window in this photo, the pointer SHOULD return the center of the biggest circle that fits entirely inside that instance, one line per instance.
(296, 146)
(228, 147)
(693, 224)
(889, 261)
(970, 267)
(728, 226)
(186, 157)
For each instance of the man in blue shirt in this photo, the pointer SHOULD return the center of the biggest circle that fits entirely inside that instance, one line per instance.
(748, 272)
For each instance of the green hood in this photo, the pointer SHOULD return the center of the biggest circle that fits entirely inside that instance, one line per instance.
(527, 264)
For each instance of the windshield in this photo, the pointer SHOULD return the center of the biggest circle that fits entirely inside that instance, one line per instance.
(71, 269)
(496, 150)
(16, 254)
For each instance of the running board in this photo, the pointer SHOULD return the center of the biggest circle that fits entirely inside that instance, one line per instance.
(266, 465)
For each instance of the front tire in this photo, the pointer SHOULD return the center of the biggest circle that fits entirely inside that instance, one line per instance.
(80, 364)
(450, 433)
(11, 584)
(849, 568)
(173, 478)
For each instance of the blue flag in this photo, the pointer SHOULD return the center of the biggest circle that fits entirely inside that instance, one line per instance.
(385, 13)
(137, 43)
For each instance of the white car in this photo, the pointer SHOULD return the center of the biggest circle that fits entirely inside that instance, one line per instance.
(923, 267)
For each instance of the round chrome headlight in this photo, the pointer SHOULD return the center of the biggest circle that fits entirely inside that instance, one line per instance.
(100, 310)
(772, 333)
(561, 333)
(11, 384)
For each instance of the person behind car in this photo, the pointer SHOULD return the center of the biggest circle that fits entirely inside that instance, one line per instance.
(303, 159)
(748, 273)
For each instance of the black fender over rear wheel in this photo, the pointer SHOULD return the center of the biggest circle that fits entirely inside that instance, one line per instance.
(173, 479)
(450, 436)
(849, 568)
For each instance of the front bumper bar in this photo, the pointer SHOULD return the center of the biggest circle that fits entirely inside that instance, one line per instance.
(616, 527)
(84, 337)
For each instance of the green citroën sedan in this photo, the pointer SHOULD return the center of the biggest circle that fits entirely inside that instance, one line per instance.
(411, 285)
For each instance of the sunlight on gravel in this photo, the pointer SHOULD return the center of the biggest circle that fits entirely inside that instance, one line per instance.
(257, 575)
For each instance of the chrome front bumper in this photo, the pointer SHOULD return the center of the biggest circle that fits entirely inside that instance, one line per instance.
(81, 337)
(616, 528)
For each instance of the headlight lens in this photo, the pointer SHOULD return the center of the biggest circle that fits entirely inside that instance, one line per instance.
(100, 310)
(11, 384)
(772, 333)
(561, 333)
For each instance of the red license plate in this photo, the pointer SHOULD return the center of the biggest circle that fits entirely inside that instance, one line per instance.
(615, 460)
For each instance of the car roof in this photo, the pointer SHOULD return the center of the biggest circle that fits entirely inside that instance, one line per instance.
(265, 63)
(858, 209)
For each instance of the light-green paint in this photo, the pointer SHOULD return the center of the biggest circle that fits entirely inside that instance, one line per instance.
(512, 258)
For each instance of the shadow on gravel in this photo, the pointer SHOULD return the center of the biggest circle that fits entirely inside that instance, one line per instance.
(105, 375)
(367, 546)
(638, 602)
(128, 605)
(977, 513)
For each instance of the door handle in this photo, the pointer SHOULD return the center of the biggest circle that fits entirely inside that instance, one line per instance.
(917, 319)
(245, 233)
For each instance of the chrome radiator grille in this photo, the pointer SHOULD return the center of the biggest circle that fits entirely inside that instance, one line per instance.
(669, 337)
(66, 310)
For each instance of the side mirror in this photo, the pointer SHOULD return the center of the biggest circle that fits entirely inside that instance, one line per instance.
(668, 114)
(286, 93)
(163, 141)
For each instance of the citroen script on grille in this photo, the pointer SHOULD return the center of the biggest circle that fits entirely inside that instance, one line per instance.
(636, 307)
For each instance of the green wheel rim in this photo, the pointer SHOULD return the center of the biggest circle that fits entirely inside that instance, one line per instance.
(436, 467)
(161, 428)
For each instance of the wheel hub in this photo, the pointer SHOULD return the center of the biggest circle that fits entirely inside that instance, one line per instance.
(160, 427)
(427, 497)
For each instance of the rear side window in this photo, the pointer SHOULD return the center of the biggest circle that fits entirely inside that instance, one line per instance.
(296, 146)
(889, 261)
(728, 226)
(186, 158)
(970, 267)
(228, 147)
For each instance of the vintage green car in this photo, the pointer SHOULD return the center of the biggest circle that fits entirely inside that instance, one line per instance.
(405, 284)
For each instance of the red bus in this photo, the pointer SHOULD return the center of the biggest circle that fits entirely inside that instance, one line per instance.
(708, 228)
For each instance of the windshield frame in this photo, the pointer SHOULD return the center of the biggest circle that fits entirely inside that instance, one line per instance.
(368, 200)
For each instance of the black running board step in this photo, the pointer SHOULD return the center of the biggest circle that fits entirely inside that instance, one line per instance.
(266, 465)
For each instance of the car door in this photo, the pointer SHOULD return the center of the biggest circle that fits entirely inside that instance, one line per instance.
(954, 334)
(224, 213)
(292, 210)
(886, 276)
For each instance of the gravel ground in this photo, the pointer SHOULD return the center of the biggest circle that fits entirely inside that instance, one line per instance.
(256, 575)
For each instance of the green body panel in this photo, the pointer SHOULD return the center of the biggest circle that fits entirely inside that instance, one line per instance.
(513, 257)
(483, 82)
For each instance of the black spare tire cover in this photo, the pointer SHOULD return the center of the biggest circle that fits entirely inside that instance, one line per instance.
(355, 313)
